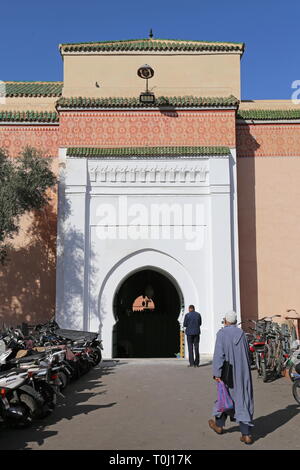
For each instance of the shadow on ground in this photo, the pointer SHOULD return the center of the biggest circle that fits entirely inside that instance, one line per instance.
(75, 403)
(265, 425)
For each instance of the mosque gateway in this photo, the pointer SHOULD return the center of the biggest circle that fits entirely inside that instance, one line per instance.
(165, 195)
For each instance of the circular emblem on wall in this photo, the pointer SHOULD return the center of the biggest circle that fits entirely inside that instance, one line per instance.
(145, 71)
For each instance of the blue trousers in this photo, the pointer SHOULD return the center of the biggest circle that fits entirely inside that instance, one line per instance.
(244, 428)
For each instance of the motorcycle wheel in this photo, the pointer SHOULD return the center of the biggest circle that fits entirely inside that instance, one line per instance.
(84, 366)
(98, 356)
(296, 391)
(76, 371)
(64, 380)
(25, 423)
(30, 407)
(46, 409)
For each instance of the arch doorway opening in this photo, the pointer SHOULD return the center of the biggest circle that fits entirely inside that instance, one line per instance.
(146, 307)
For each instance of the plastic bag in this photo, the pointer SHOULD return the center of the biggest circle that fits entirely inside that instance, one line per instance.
(224, 400)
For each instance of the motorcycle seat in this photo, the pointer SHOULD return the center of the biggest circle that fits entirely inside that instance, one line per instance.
(28, 359)
(13, 371)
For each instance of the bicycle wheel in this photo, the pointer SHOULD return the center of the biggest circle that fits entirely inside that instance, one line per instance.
(268, 355)
(263, 369)
(257, 363)
(296, 390)
(279, 362)
(292, 371)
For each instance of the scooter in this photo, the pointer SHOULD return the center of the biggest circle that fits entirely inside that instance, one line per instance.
(20, 402)
(291, 362)
(44, 373)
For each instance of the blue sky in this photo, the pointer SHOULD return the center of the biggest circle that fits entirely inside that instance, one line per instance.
(31, 31)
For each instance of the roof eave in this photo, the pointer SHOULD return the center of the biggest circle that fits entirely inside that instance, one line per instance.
(148, 152)
(149, 46)
(163, 103)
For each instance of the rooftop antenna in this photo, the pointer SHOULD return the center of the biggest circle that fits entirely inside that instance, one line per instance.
(151, 34)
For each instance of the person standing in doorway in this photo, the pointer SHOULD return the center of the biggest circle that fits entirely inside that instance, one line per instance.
(231, 365)
(192, 323)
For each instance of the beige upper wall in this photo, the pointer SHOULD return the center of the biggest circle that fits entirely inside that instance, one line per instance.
(29, 103)
(215, 74)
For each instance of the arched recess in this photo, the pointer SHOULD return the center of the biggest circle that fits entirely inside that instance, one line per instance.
(141, 260)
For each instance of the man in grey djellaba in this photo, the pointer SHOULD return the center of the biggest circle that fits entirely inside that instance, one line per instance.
(232, 346)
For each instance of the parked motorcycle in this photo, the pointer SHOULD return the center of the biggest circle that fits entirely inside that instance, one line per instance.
(37, 364)
(20, 402)
(292, 361)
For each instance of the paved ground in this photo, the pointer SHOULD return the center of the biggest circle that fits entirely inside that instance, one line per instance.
(155, 404)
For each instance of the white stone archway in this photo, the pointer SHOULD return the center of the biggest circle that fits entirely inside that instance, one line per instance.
(144, 259)
(90, 266)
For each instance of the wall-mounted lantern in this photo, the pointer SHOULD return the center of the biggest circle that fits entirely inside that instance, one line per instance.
(146, 72)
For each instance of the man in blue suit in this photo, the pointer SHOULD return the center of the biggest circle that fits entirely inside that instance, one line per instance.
(192, 323)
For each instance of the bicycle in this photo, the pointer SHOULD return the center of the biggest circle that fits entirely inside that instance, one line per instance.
(268, 347)
(258, 348)
(250, 338)
(296, 385)
(294, 356)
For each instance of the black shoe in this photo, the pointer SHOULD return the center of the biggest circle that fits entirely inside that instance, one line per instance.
(190, 366)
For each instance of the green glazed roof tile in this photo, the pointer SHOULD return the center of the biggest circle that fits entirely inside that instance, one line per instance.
(161, 101)
(33, 89)
(152, 45)
(28, 116)
(268, 114)
(146, 151)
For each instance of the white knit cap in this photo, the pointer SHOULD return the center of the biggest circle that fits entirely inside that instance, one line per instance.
(231, 316)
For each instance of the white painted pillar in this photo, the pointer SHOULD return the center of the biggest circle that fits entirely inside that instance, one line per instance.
(221, 280)
(59, 310)
(235, 233)
(72, 286)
